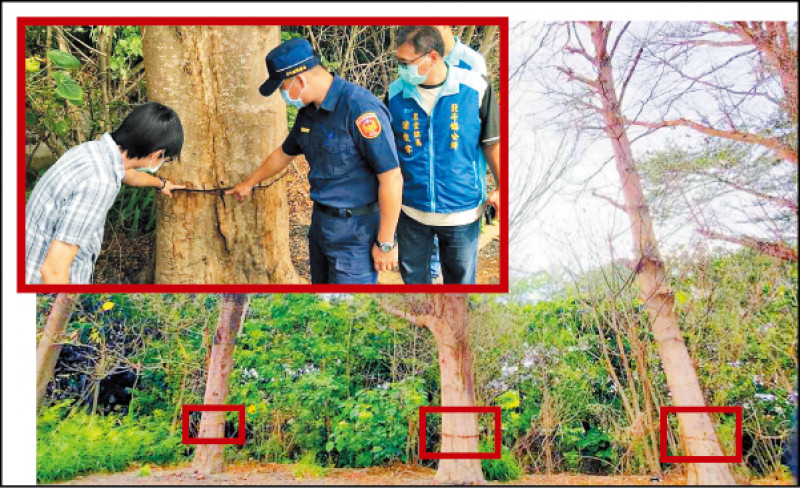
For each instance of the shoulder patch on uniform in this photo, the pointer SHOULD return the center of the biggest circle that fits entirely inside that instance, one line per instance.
(368, 125)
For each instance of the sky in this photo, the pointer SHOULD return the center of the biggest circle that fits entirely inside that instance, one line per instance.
(548, 242)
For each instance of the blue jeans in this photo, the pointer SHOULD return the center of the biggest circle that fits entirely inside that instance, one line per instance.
(436, 266)
(458, 251)
(341, 248)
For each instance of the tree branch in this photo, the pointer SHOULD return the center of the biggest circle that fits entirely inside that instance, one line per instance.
(781, 149)
(630, 74)
(774, 249)
(610, 200)
(422, 320)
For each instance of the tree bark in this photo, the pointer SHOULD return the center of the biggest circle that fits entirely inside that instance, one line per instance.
(446, 316)
(50, 344)
(697, 430)
(209, 458)
(210, 76)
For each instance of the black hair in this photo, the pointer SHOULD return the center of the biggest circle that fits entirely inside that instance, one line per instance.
(424, 38)
(150, 127)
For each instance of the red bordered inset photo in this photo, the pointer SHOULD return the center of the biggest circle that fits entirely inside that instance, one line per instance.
(194, 281)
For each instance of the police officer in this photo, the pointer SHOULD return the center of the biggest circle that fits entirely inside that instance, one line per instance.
(356, 185)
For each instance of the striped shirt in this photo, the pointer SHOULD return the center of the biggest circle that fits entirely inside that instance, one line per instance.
(70, 203)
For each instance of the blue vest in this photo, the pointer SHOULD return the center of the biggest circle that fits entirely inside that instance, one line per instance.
(440, 153)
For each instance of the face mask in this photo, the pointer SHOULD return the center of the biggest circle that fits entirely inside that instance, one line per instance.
(149, 169)
(298, 103)
(410, 74)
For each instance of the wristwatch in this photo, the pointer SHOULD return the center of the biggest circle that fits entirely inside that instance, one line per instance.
(385, 246)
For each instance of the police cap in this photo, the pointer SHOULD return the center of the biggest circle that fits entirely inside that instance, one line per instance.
(290, 58)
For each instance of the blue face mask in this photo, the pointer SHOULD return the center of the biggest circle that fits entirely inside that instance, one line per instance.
(298, 103)
(410, 74)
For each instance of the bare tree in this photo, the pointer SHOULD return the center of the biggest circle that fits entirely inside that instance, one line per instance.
(588, 96)
(697, 430)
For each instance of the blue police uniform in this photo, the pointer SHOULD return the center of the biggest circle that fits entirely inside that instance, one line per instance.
(347, 142)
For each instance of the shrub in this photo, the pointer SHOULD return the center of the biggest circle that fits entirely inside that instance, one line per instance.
(83, 443)
(504, 469)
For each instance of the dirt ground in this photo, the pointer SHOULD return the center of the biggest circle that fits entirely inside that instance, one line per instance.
(399, 474)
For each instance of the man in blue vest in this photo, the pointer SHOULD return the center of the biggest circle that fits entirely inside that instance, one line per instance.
(343, 131)
(443, 118)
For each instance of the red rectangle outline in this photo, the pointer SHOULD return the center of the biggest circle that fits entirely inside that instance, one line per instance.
(22, 287)
(186, 409)
(498, 433)
(735, 458)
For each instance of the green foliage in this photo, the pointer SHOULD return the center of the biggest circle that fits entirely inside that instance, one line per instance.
(579, 445)
(331, 380)
(373, 428)
(307, 467)
(71, 444)
(506, 468)
(134, 211)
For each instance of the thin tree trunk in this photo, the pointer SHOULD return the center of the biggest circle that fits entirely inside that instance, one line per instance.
(210, 76)
(50, 344)
(697, 430)
(73, 114)
(487, 42)
(105, 33)
(209, 458)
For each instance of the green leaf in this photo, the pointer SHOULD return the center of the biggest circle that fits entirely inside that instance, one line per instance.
(63, 59)
(329, 446)
(60, 76)
(69, 89)
(61, 128)
(30, 118)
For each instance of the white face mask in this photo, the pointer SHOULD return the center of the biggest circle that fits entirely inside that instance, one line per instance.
(151, 170)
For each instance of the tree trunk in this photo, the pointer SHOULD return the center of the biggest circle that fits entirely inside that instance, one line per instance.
(697, 430)
(208, 458)
(210, 76)
(459, 430)
(50, 344)
(446, 316)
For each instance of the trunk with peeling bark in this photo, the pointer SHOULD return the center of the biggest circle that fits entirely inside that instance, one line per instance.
(50, 344)
(446, 316)
(208, 458)
(696, 430)
(210, 76)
